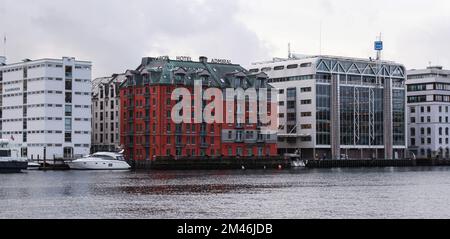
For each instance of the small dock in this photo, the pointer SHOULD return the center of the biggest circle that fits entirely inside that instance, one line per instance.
(53, 164)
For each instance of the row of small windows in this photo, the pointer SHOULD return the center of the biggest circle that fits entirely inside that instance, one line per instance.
(293, 78)
(429, 131)
(429, 75)
(279, 68)
(427, 141)
(428, 86)
(422, 119)
(45, 92)
(44, 132)
(42, 106)
(423, 98)
(43, 79)
(44, 65)
(412, 109)
(43, 118)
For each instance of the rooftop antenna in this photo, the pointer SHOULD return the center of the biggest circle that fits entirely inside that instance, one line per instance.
(4, 44)
(289, 51)
(320, 38)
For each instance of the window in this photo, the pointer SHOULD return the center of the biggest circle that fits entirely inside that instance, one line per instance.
(278, 68)
(413, 119)
(68, 124)
(294, 66)
(306, 102)
(68, 84)
(308, 64)
(291, 93)
(68, 110)
(412, 110)
(306, 138)
(412, 132)
(306, 114)
(281, 92)
(68, 72)
(68, 137)
(69, 98)
(306, 126)
(306, 89)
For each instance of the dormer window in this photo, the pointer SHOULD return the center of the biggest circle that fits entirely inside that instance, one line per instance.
(179, 78)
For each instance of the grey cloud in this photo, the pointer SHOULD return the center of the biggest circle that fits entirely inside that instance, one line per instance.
(115, 34)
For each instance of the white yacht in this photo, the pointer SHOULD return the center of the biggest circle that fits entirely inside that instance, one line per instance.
(296, 161)
(10, 162)
(100, 161)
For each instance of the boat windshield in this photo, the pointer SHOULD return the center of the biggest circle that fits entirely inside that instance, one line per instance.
(106, 157)
(5, 153)
(121, 158)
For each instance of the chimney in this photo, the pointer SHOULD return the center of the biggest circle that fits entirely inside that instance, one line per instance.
(203, 59)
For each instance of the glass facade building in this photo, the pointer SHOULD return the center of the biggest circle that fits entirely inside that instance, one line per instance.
(357, 106)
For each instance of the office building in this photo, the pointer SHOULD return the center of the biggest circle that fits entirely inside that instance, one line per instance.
(339, 107)
(428, 92)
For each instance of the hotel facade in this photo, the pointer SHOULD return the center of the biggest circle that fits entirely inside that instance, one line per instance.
(148, 130)
(339, 107)
(428, 112)
(46, 107)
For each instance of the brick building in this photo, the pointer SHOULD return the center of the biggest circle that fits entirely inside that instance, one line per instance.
(147, 128)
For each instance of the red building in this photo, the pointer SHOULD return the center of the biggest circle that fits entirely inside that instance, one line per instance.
(147, 128)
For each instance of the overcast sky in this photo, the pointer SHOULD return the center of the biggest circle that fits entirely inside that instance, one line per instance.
(115, 34)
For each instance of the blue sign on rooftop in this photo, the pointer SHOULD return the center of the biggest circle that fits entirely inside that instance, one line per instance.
(378, 45)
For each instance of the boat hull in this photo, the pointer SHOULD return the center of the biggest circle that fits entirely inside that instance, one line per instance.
(12, 166)
(99, 165)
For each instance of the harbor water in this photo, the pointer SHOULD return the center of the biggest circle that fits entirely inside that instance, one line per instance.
(316, 193)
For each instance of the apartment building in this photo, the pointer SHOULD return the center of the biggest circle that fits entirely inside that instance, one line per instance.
(46, 107)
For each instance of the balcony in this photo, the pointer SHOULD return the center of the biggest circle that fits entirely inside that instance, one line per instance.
(239, 140)
(203, 133)
(204, 145)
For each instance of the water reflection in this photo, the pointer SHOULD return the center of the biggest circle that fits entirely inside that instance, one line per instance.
(318, 193)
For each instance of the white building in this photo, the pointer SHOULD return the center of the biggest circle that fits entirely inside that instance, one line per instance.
(46, 107)
(333, 107)
(428, 112)
(106, 113)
